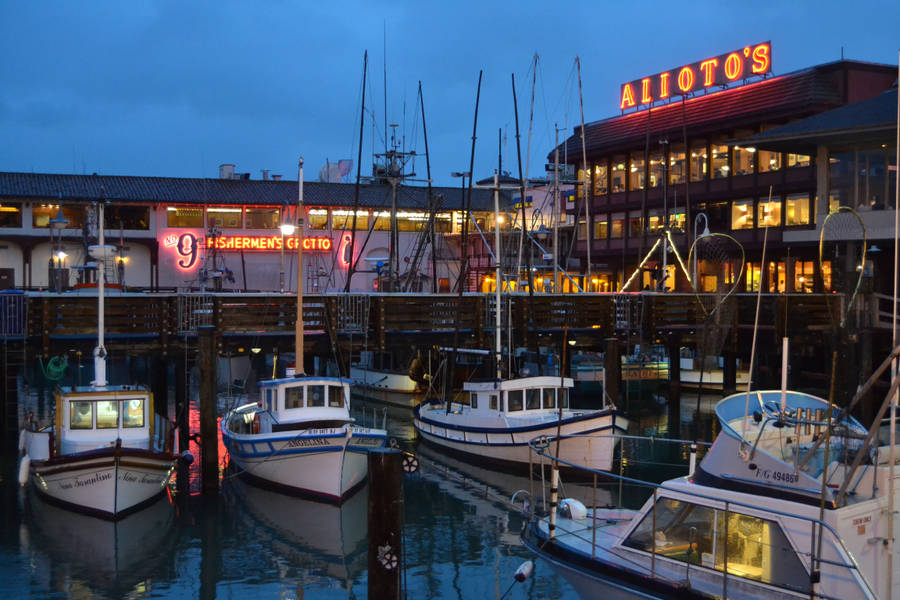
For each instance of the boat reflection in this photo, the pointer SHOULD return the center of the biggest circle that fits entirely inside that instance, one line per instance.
(83, 556)
(325, 541)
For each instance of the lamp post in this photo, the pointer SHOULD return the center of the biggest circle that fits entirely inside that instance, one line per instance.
(287, 229)
(57, 224)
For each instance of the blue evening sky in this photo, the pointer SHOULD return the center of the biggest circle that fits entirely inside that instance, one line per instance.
(174, 88)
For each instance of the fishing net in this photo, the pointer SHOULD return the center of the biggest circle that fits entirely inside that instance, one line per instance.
(842, 262)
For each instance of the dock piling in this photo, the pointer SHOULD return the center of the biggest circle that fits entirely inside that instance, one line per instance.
(385, 523)
(209, 450)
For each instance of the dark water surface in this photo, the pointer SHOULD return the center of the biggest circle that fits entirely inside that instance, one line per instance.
(461, 537)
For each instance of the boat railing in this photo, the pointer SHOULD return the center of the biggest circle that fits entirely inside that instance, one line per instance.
(630, 493)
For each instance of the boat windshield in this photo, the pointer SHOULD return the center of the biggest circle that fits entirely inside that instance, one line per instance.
(110, 414)
(700, 535)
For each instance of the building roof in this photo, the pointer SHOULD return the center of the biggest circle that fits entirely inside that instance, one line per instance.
(174, 190)
(873, 119)
(792, 95)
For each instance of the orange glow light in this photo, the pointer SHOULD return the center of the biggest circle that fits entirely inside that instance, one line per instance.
(709, 71)
(734, 66)
(761, 60)
(645, 91)
(664, 85)
(685, 79)
(627, 97)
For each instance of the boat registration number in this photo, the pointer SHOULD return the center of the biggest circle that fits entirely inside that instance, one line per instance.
(778, 476)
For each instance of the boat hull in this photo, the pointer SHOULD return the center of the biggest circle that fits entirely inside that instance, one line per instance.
(585, 441)
(104, 483)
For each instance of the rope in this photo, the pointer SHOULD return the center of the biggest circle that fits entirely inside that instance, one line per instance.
(55, 368)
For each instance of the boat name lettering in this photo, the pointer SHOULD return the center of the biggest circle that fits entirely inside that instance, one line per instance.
(780, 476)
(307, 442)
(130, 477)
(93, 479)
(367, 441)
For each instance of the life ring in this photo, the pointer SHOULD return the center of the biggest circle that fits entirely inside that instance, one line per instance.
(255, 427)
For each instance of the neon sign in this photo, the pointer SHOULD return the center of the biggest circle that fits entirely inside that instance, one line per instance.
(187, 245)
(724, 69)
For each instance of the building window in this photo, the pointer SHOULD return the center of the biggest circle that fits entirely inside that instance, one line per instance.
(751, 279)
(43, 213)
(584, 182)
(618, 226)
(636, 169)
(601, 228)
(601, 177)
(677, 219)
(744, 160)
(742, 214)
(618, 174)
(343, 220)
(720, 167)
(803, 276)
(10, 214)
(698, 161)
(262, 218)
(317, 218)
(797, 160)
(635, 224)
(654, 220)
(225, 218)
(769, 214)
(769, 161)
(796, 208)
(184, 216)
(776, 277)
(127, 217)
(383, 221)
(676, 164)
(657, 169)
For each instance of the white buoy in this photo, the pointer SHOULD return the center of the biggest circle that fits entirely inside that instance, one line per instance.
(24, 468)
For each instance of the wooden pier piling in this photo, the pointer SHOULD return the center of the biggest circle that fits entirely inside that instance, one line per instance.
(385, 523)
(209, 447)
(612, 366)
(674, 403)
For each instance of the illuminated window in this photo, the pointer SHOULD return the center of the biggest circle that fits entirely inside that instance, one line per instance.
(751, 280)
(184, 216)
(601, 228)
(81, 415)
(676, 164)
(107, 415)
(293, 397)
(418, 221)
(776, 276)
(11, 214)
(796, 207)
(657, 169)
(42, 213)
(514, 400)
(343, 219)
(698, 161)
(582, 229)
(618, 226)
(225, 218)
(769, 161)
(584, 182)
(636, 171)
(677, 219)
(383, 220)
(262, 218)
(335, 396)
(601, 176)
(826, 275)
(742, 214)
(126, 217)
(654, 220)
(133, 413)
(317, 218)
(797, 160)
(769, 213)
(744, 160)
(720, 167)
(635, 224)
(618, 174)
(804, 271)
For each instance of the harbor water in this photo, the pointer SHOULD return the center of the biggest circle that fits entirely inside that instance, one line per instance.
(460, 537)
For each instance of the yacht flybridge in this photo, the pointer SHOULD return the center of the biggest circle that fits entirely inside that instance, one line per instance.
(793, 500)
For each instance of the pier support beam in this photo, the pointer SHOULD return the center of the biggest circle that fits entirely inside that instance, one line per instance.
(385, 523)
(673, 341)
(612, 371)
(209, 450)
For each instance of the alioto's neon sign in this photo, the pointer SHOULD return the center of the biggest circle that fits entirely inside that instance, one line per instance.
(187, 245)
(724, 69)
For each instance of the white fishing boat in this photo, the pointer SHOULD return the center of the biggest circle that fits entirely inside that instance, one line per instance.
(787, 504)
(383, 382)
(300, 437)
(498, 418)
(106, 453)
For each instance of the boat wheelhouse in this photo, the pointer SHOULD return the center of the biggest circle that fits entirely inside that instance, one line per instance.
(502, 416)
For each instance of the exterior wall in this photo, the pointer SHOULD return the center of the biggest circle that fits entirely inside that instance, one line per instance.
(11, 258)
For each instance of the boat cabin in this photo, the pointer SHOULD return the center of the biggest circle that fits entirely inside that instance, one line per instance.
(519, 396)
(88, 418)
(295, 403)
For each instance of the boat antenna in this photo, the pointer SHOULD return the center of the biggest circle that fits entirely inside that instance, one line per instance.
(585, 191)
(100, 351)
(298, 329)
(362, 117)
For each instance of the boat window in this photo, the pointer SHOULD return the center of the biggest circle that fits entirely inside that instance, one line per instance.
(493, 402)
(532, 399)
(293, 397)
(564, 397)
(473, 400)
(751, 547)
(335, 396)
(133, 415)
(107, 415)
(514, 400)
(269, 400)
(315, 395)
(549, 398)
(81, 415)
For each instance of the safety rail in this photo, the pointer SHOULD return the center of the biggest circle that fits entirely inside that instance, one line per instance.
(825, 548)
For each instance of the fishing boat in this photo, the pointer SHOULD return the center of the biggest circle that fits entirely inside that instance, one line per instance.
(792, 501)
(299, 437)
(106, 453)
(375, 377)
(497, 418)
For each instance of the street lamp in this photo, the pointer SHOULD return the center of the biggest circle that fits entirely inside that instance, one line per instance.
(287, 229)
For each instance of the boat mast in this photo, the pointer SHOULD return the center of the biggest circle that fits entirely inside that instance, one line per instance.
(585, 182)
(298, 329)
(100, 350)
(362, 117)
(497, 274)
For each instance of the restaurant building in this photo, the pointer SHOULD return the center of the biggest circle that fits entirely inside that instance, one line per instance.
(684, 152)
(226, 233)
